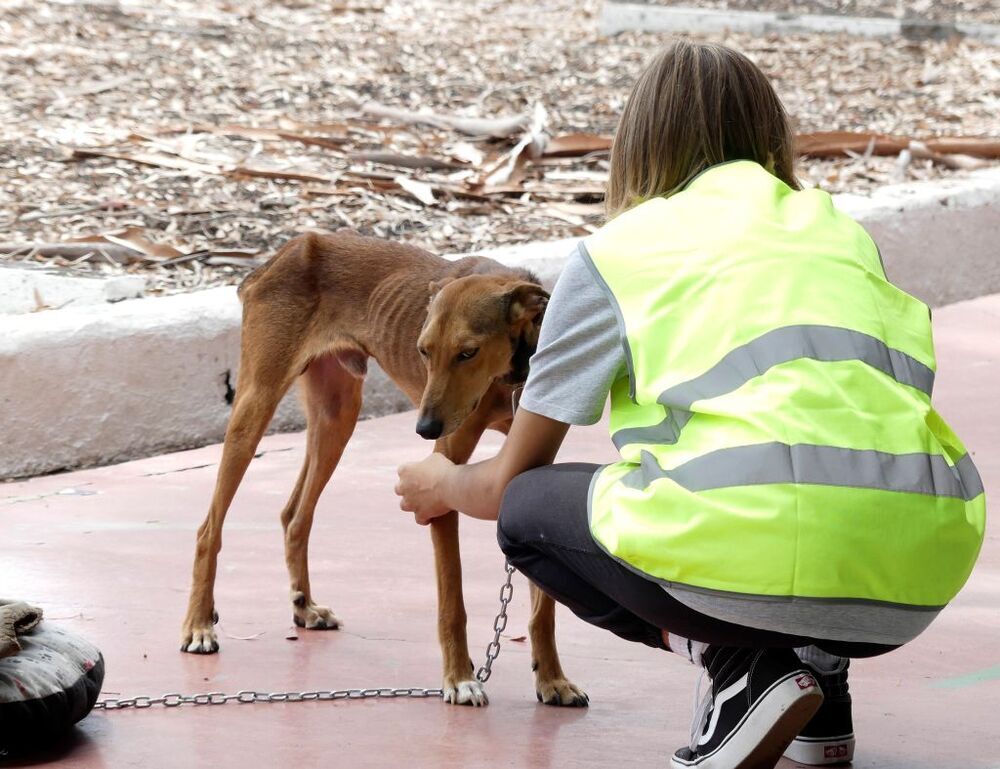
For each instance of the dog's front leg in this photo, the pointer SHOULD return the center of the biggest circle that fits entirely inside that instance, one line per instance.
(459, 684)
(460, 687)
(551, 685)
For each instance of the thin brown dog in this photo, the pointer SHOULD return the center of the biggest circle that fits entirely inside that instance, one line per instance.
(316, 312)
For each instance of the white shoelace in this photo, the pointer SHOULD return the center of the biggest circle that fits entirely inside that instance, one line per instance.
(701, 707)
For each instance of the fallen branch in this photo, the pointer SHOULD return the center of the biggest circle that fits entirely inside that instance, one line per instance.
(70, 211)
(234, 261)
(957, 162)
(280, 173)
(158, 159)
(826, 144)
(499, 128)
(119, 254)
(405, 161)
(327, 142)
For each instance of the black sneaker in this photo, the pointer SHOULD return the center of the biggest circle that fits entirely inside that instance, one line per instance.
(829, 737)
(759, 700)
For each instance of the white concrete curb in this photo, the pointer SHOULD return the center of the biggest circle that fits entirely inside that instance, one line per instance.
(619, 17)
(98, 384)
(104, 383)
(940, 241)
(29, 289)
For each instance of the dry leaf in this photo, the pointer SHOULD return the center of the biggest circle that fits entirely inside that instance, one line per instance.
(133, 237)
(531, 145)
(575, 145)
(422, 192)
(466, 153)
(134, 240)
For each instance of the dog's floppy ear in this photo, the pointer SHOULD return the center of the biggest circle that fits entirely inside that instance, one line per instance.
(435, 286)
(526, 302)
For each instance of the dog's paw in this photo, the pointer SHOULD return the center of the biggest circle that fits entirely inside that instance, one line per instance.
(561, 692)
(199, 639)
(311, 616)
(465, 693)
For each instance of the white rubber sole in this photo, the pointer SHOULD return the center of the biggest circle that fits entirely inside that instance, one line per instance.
(759, 741)
(821, 752)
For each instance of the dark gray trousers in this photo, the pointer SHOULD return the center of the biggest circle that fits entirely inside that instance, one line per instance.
(544, 531)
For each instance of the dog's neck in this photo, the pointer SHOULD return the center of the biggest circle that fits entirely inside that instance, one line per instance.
(519, 360)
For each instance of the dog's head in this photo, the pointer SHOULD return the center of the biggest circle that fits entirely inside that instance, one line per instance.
(479, 329)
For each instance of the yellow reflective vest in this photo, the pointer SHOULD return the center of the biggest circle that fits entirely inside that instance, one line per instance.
(776, 431)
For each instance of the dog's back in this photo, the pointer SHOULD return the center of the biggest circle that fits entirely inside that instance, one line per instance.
(363, 293)
(324, 262)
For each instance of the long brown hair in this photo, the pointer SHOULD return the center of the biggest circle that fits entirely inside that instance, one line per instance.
(695, 105)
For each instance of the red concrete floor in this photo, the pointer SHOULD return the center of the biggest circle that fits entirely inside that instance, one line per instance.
(107, 553)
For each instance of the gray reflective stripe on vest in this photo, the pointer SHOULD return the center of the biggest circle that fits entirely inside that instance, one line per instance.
(803, 463)
(739, 366)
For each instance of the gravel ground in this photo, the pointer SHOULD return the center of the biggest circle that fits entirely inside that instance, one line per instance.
(973, 11)
(149, 77)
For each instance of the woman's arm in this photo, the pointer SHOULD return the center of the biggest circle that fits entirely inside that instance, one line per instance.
(578, 358)
(435, 486)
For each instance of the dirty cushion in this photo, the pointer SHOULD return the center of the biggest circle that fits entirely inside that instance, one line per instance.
(49, 685)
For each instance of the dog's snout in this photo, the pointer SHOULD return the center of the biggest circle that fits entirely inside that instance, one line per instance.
(429, 427)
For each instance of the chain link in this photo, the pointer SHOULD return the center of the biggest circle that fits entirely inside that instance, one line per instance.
(493, 649)
(249, 696)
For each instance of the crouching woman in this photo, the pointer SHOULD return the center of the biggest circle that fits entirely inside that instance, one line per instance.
(786, 497)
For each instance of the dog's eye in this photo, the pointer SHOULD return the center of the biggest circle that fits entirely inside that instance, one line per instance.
(468, 354)
(422, 351)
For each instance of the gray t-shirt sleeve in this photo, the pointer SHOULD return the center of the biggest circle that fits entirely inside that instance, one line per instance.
(579, 353)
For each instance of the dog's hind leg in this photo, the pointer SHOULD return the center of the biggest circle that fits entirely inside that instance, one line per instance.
(267, 369)
(331, 394)
(460, 688)
(551, 685)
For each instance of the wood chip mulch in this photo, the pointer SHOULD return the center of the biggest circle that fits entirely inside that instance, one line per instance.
(185, 141)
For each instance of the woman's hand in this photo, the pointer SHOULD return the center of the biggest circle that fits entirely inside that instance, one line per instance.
(431, 488)
(420, 486)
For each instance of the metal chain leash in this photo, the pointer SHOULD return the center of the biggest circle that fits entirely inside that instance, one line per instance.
(493, 650)
(249, 696)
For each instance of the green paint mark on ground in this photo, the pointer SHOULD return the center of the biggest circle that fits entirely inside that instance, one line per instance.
(970, 679)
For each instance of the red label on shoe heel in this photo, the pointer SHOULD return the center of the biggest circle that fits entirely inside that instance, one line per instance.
(806, 681)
